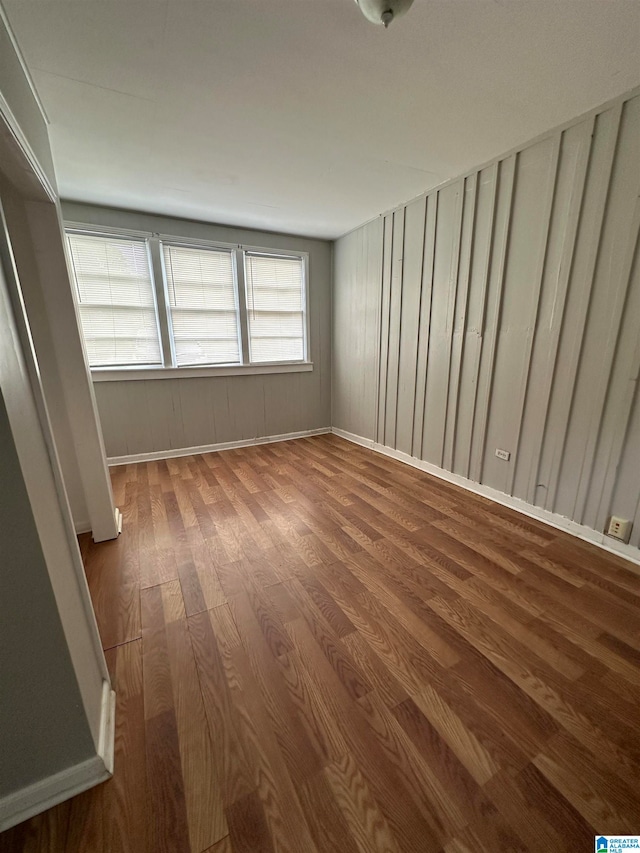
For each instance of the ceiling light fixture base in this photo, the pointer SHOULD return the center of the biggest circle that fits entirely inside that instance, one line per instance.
(383, 12)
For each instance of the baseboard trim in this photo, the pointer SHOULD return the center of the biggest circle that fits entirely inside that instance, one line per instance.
(212, 448)
(560, 522)
(107, 737)
(82, 527)
(46, 793)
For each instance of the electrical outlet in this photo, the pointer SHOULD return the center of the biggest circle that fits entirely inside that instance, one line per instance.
(503, 454)
(620, 528)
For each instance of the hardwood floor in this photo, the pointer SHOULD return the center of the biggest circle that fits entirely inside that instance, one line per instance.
(317, 649)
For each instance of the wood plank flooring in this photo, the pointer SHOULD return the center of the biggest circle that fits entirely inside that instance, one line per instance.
(317, 649)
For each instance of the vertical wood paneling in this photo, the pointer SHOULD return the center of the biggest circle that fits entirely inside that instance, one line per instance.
(518, 450)
(511, 320)
(610, 289)
(500, 239)
(429, 243)
(445, 271)
(581, 279)
(411, 287)
(162, 414)
(487, 185)
(358, 259)
(172, 411)
(460, 316)
(371, 350)
(395, 326)
(385, 302)
(347, 268)
(620, 395)
(535, 171)
(575, 144)
(626, 495)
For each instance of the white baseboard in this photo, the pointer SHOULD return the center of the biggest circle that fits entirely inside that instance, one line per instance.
(82, 527)
(560, 522)
(107, 738)
(212, 448)
(357, 439)
(46, 793)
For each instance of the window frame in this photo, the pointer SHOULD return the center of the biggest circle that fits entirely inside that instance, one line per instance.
(169, 368)
(115, 235)
(276, 253)
(165, 241)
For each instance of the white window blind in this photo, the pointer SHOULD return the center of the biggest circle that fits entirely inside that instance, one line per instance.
(203, 306)
(275, 307)
(116, 300)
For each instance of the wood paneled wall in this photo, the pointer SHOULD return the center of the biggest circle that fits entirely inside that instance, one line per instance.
(155, 415)
(152, 415)
(503, 311)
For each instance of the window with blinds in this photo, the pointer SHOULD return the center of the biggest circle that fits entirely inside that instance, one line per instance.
(116, 300)
(202, 304)
(275, 293)
(148, 301)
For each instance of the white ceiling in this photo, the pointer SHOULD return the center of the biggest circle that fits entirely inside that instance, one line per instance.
(299, 115)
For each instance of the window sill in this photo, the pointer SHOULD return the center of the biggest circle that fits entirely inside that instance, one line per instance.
(124, 374)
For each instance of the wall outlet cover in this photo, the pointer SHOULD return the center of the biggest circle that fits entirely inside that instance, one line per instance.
(620, 528)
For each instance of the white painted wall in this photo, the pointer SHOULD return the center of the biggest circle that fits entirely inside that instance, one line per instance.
(507, 315)
(155, 415)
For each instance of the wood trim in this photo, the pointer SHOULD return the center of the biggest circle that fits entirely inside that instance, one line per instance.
(560, 522)
(11, 123)
(212, 448)
(129, 374)
(23, 65)
(106, 741)
(46, 793)
(49, 792)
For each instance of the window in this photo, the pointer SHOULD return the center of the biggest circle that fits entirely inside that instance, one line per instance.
(147, 301)
(202, 304)
(275, 307)
(116, 300)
